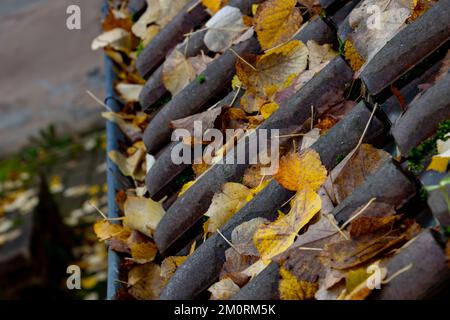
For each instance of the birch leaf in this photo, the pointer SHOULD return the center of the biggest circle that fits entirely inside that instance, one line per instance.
(177, 72)
(142, 214)
(223, 28)
(276, 21)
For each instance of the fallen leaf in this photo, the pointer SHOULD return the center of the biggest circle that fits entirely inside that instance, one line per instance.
(305, 171)
(126, 123)
(223, 28)
(129, 166)
(177, 72)
(276, 21)
(236, 265)
(274, 238)
(150, 15)
(355, 169)
(242, 236)
(268, 109)
(106, 230)
(274, 69)
(440, 161)
(129, 92)
(214, 5)
(292, 289)
(142, 214)
(169, 265)
(357, 281)
(203, 121)
(223, 290)
(310, 138)
(226, 203)
(118, 38)
(145, 281)
(356, 251)
(142, 249)
(319, 54)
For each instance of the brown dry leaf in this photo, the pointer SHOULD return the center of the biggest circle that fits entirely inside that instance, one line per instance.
(276, 21)
(447, 252)
(253, 177)
(200, 62)
(126, 123)
(170, 265)
(223, 290)
(129, 166)
(206, 119)
(117, 19)
(273, 70)
(142, 249)
(305, 171)
(177, 72)
(145, 281)
(274, 238)
(142, 214)
(356, 251)
(169, 9)
(291, 288)
(242, 236)
(251, 102)
(214, 5)
(149, 16)
(225, 204)
(236, 265)
(313, 6)
(223, 28)
(356, 167)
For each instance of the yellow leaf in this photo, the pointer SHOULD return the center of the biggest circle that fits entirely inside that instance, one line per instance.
(225, 204)
(223, 290)
(439, 164)
(236, 83)
(274, 69)
(89, 283)
(143, 252)
(214, 5)
(105, 230)
(293, 289)
(276, 21)
(303, 171)
(129, 166)
(142, 214)
(170, 265)
(268, 109)
(185, 187)
(352, 55)
(274, 238)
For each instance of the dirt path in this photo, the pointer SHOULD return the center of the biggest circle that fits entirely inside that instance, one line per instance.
(46, 69)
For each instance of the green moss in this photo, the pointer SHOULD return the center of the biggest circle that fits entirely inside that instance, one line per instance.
(418, 155)
(201, 79)
(140, 48)
(339, 158)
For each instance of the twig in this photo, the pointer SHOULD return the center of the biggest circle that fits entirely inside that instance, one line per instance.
(309, 249)
(243, 60)
(358, 213)
(397, 273)
(367, 127)
(336, 226)
(100, 102)
(228, 241)
(235, 96)
(193, 6)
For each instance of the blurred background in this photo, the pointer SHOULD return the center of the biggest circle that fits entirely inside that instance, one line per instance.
(52, 150)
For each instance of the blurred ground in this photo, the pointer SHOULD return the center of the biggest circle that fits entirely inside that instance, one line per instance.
(46, 69)
(52, 150)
